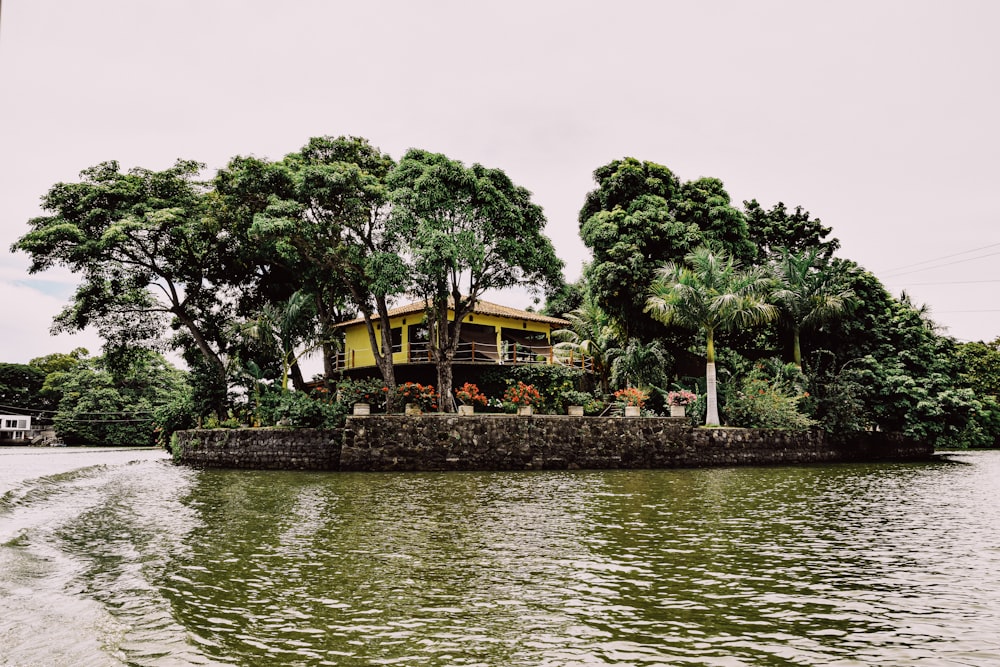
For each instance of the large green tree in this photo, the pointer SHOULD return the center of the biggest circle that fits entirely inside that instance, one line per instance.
(332, 220)
(147, 257)
(467, 230)
(20, 389)
(641, 215)
(711, 292)
(629, 225)
(102, 404)
(981, 366)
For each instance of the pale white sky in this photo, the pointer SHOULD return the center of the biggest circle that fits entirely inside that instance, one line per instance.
(879, 117)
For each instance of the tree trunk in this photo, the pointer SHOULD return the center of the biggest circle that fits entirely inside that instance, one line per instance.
(446, 398)
(796, 348)
(712, 411)
(383, 357)
(212, 359)
(712, 408)
(384, 361)
(329, 348)
(298, 381)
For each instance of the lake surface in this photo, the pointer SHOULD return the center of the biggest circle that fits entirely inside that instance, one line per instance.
(122, 558)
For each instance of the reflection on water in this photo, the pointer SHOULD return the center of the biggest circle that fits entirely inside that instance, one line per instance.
(147, 563)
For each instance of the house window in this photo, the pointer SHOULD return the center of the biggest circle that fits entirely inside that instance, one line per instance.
(419, 338)
(521, 346)
(395, 338)
(477, 344)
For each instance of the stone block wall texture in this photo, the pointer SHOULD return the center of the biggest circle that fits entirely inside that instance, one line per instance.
(260, 448)
(507, 442)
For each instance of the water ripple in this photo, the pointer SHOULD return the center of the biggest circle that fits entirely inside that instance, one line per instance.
(814, 565)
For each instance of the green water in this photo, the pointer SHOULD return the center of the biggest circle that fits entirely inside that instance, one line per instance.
(123, 558)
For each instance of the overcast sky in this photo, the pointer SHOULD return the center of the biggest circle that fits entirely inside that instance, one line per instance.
(880, 118)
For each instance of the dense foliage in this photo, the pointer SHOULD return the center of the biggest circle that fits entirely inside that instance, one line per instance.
(100, 404)
(748, 308)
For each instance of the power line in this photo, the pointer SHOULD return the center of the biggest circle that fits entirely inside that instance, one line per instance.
(938, 259)
(991, 310)
(39, 411)
(946, 282)
(938, 266)
(104, 421)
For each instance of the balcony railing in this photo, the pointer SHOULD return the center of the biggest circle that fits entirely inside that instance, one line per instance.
(510, 354)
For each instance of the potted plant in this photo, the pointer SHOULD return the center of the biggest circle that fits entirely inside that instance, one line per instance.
(524, 396)
(363, 395)
(418, 397)
(576, 401)
(678, 401)
(469, 395)
(633, 398)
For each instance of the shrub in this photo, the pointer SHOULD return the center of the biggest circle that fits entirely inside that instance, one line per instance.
(423, 395)
(550, 381)
(366, 390)
(759, 404)
(522, 394)
(632, 396)
(469, 393)
(300, 410)
(574, 397)
(177, 415)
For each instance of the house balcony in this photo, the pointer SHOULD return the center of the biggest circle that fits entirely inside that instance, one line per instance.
(470, 353)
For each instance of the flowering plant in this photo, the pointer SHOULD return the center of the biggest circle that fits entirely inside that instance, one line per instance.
(632, 396)
(423, 395)
(469, 393)
(369, 391)
(681, 397)
(522, 394)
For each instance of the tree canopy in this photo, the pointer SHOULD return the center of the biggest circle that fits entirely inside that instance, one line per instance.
(147, 256)
(640, 216)
(467, 230)
(328, 215)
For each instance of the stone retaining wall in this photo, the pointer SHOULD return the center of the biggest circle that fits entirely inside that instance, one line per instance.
(260, 448)
(547, 442)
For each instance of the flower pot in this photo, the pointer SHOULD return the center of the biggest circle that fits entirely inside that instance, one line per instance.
(575, 410)
(412, 409)
(362, 409)
(466, 410)
(525, 410)
(676, 410)
(631, 410)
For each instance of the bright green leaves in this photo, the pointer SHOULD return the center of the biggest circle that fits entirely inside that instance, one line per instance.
(640, 216)
(468, 229)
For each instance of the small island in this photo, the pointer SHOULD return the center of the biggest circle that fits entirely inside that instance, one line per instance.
(700, 332)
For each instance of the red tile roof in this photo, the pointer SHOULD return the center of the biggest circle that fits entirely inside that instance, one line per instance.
(481, 308)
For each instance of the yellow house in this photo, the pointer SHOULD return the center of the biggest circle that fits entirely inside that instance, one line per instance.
(491, 334)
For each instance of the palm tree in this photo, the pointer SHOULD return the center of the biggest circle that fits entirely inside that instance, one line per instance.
(591, 333)
(640, 364)
(808, 293)
(712, 293)
(283, 328)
